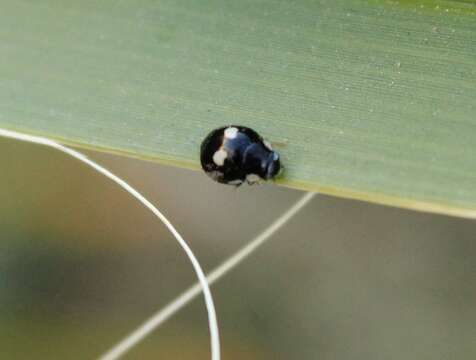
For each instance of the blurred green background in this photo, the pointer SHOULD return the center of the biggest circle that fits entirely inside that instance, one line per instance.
(82, 264)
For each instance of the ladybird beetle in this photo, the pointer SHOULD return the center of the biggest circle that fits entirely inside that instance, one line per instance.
(236, 154)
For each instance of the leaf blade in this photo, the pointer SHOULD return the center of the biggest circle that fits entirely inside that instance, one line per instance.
(375, 101)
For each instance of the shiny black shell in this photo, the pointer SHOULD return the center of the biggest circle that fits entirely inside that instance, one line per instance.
(236, 154)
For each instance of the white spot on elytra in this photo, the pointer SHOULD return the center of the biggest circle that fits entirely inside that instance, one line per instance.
(275, 156)
(268, 145)
(231, 132)
(253, 178)
(219, 157)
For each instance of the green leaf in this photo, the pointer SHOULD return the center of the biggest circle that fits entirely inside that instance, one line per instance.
(372, 100)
